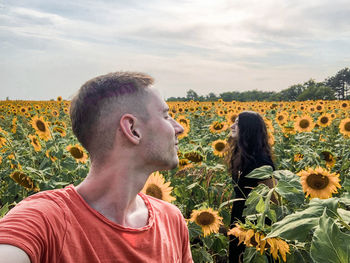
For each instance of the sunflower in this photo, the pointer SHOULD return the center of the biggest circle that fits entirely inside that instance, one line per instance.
(219, 147)
(185, 133)
(304, 124)
(41, 127)
(298, 157)
(282, 117)
(329, 158)
(14, 125)
(49, 155)
(60, 130)
(278, 245)
(55, 113)
(59, 98)
(22, 179)
(183, 121)
(252, 238)
(2, 140)
(217, 127)
(324, 120)
(194, 156)
(231, 117)
(157, 187)
(208, 219)
(344, 127)
(319, 183)
(184, 164)
(78, 153)
(35, 142)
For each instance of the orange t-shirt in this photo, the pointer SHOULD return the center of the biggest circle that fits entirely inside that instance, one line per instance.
(59, 226)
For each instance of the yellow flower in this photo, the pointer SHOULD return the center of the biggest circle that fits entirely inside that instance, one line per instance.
(329, 158)
(41, 127)
(344, 127)
(319, 183)
(35, 142)
(23, 180)
(184, 164)
(231, 117)
(324, 120)
(208, 219)
(157, 187)
(278, 245)
(60, 130)
(219, 147)
(78, 153)
(49, 155)
(217, 127)
(59, 98)
(304, 124)
(282, 117)
(183, 121)
(298, 157)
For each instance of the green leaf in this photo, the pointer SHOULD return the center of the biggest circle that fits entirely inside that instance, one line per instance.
(194, 230)
(346, 184)
(251, 255)
(230, 202)
(344, 214)
(263, 172)
(260, 207)
(329, 244)
(298, 225)
(4, 209)
(289, 186)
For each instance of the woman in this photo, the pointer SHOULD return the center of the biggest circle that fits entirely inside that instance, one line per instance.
(248, 149)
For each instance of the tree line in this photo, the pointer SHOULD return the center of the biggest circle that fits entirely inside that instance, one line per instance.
(336, 87)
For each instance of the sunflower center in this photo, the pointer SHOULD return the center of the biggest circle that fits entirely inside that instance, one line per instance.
(219, 146)
(183, 121)
(304, 124)
(76, 153)
(324, 120)
(347, 126)
(280, 117)
(155, 191)
(40, 125)
(317, 181)
(218, 126)
(327, 156)
(319, 107)
(205, 219)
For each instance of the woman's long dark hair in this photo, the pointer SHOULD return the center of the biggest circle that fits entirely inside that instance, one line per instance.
(251, 144)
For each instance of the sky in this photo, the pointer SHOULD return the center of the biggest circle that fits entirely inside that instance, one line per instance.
(50, 48)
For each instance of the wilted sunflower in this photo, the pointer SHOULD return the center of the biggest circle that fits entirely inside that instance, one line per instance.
(78, 153)
(219, 147)
(329, 158)
(35, 142)
(41, 127)
(157, 187)
(319, 183)
(194, 157)
(304, 124)
(217, 127)
(208, 219)
(251, 238)
(278, 245)
(344, 127)
(324, 120)
(22, 179)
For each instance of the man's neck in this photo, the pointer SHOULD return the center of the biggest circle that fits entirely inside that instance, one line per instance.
(113, 192)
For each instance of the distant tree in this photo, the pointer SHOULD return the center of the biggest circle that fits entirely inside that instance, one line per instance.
(192, 95)
(211, 97)
(340, 83)
(291, 93)
(317, 92)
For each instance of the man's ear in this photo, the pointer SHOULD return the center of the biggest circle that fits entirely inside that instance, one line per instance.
(129, 127)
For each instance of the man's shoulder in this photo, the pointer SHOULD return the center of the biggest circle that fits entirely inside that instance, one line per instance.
(164, 207)
(48, 203)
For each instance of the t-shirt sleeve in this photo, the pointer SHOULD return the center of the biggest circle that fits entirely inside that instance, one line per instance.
(187, 255)
(29, 226)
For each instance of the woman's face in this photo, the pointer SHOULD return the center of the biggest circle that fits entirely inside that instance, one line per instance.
(234, 129)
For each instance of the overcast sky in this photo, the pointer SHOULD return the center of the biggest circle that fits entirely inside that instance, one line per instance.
(50, 48)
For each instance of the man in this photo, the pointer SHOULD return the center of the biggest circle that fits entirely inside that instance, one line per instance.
(124, 125)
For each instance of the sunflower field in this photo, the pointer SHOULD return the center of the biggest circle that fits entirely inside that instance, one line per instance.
(309, 221)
